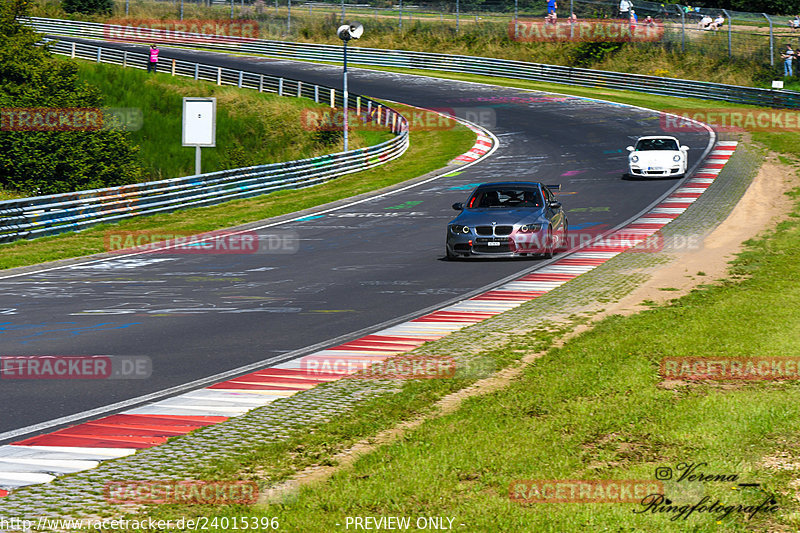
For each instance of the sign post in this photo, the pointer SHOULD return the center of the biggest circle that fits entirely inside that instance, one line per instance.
(199, 125)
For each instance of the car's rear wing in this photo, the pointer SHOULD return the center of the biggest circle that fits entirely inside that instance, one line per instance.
(556, 187)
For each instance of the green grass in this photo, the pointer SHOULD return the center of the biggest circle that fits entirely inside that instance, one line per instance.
(594, 409)
(252, 128)
(429, 150)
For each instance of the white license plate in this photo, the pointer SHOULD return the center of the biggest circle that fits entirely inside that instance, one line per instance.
(492, 244)
(655, 168)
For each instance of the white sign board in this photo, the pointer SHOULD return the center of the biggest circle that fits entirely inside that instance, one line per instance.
(777, 84)
(199, 121)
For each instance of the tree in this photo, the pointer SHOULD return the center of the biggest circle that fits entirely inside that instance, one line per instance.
(46, 162)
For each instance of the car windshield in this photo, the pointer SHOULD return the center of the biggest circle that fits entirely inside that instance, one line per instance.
(506, 197)
(656, 144)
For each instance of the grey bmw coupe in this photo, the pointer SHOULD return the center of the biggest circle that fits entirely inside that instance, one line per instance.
(507, 219)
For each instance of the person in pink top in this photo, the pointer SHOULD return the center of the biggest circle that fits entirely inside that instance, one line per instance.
(153, 62)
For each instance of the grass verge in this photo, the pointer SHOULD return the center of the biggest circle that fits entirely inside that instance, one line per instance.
(595, 408)
(252, 128)
(429, 150)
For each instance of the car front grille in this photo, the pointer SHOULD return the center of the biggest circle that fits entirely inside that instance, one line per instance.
(488, 231)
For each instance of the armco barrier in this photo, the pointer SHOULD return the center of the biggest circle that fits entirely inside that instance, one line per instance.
(442, 62)
(28, 218)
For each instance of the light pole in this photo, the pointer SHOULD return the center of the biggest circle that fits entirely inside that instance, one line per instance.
(352, 30)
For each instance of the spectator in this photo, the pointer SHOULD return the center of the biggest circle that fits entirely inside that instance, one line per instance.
(573, 18)
(634, 19)
(788, 57)
(648, 21)
(152, 64)
(795, 23)
(704, 23)
(625, 7)
(551, 11)
(718, 23)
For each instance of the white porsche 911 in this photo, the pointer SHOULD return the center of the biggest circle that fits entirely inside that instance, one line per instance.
(657, 157)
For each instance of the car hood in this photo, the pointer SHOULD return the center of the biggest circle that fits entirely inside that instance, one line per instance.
(475, 217)
(659, 157)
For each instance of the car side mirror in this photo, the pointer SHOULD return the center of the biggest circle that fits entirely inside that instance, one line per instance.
(630, 148)
(458, 206)
(684, 148)
(555, 204)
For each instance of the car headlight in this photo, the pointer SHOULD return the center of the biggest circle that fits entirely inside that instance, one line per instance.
(456, 228)
(634, 159)
(528, 228)
(676, 158)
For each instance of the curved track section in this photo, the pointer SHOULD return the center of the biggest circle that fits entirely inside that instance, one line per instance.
(357, 266)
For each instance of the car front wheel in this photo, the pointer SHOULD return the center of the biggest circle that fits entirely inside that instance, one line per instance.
(549, 250)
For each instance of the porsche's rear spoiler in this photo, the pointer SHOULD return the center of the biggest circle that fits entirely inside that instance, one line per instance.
(556, 187)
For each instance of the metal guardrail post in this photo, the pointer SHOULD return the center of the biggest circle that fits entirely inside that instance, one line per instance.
(261, 83)
(299, 89)
(99, 51)
(730, 29)
(197, 71)
(289, 17)
(683, 27)
(771, 42)
(72, 54)
(241, 78)
(316, 94)
(173, 67)
(219, 75)
(280, 87)
(333, 98)
(124, 58)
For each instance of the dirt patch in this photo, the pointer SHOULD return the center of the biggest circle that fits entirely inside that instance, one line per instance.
(763, 205)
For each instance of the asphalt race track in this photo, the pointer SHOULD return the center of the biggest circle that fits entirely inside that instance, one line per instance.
(196, 315)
